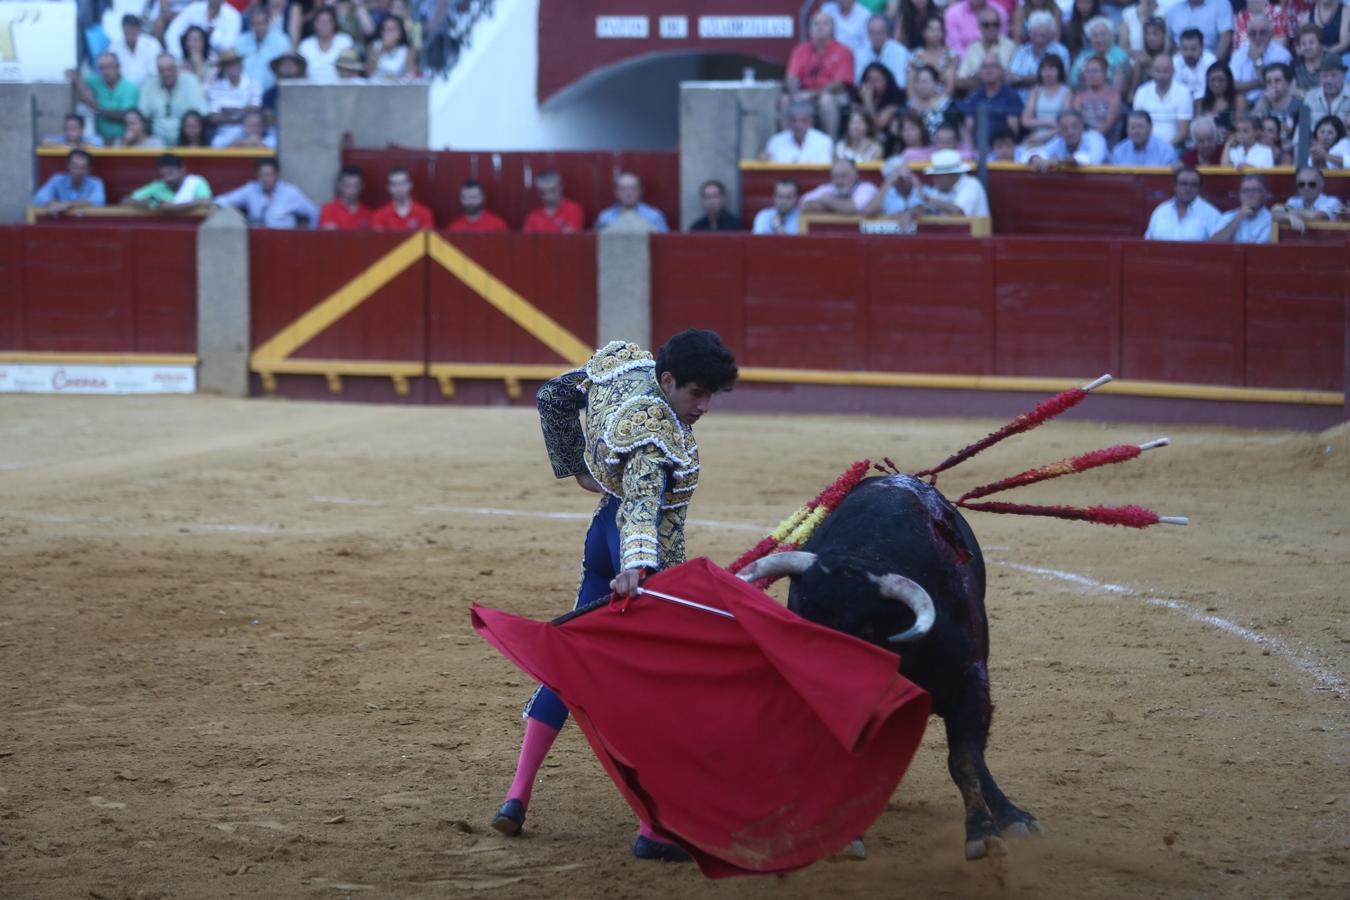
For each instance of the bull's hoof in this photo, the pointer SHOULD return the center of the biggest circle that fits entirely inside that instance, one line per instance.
(979, 848)
(855, 851)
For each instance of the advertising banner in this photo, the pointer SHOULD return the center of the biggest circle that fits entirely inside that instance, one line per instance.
(35, 378)
(37, 40)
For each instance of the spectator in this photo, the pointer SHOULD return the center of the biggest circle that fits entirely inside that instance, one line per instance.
(1251, 61)
(927, 99)
(915, 143)
(1101, 41)
(74, 188)
(913, 19)
(1020, 29)
(136, 131)
(1075, 145)
(1096, 101)
(799, 142)
(165, 97)
(1221, 100)
(300, 15)
(233, 92)
(1002, 146)
(276, 16)
(476, 217)
(1310, 204)
(899, 197)
(1272, 136)
(1250, 223)
(713, 195)
(1003, 104)
(390, 58)
(1025, 67)
(345, 212)
(354, 21)
(411, 27)
(1130, 35)
(174, 191)
(850, 23)
(252, 131)
(991, 41)
(402, 212)
(783, 216)
(555, 213)
(1279, 101)
(859, 142)
(1334, 22)
(135, 50)
(1081, 12)
(1309, 57)
(1212, 18)
(882, 99)
(198, 57)
(881, 50)
(1191, 62)
(1208, 149)
(1141, 146)
(108, 94)
(285, 67)
(321, 49)
(1155, 44)
(259, 46)
(820, 71)
(844, 193)
(1330, 148)
(1187, 216)
(193, 130)
(963, 23)
(350, 69)
(934, 53)
(269, 202)
(1050, 97)
(216, 18)
(1168, 103)
(73, 134)
(1332, 98)
(953, 192)
(1280, 23)
(628, 200)
(1243, 148)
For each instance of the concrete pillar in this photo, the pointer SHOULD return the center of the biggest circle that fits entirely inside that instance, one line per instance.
(722, 123)
(312, 120)
(624, 282)
(223, 304)
(30, 111)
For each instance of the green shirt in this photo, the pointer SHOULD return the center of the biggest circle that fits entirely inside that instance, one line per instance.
(121, 96)
(157, 193)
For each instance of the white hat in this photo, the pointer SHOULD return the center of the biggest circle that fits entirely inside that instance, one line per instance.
(947, 162)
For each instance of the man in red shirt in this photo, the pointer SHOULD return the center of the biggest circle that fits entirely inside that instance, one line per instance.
(346, 212)
(557, 214)
(402, 212)
(820, 71)
(476, 216)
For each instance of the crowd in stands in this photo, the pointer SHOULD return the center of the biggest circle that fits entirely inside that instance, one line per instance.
(1068, 83)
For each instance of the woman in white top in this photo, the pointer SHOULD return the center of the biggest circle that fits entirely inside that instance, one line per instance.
(1132, 25)
(858, 145)
(390, 58)
(1330, 147)
(1048, 98)
(321, 49)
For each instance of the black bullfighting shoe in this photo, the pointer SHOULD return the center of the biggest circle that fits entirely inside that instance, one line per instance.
(510, 818)
(646, 848)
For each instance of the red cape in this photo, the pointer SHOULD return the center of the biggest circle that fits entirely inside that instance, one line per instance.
(760, 744)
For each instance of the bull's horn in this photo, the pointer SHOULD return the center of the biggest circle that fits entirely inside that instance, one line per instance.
(898, 587)
(776, 565)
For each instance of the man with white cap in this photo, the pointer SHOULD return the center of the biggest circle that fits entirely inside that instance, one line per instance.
(953, 192)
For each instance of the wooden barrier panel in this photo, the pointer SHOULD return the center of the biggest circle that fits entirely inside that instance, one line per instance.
(508, 179)
(124, 170)
(115, 291)
(1296, 297)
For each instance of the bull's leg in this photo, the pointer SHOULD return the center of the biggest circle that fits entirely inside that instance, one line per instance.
(1010, 819)
(966, 715)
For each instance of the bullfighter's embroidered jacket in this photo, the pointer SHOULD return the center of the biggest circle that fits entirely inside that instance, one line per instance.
(611, 419)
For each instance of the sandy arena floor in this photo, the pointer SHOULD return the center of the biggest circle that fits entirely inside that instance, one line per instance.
(237, 662)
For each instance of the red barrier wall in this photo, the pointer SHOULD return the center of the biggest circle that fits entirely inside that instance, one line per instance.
(508, 178)
(115, 291)
(125, 171)
(1152, 311)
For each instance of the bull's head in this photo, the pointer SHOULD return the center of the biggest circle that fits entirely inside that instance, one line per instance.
(891, 587)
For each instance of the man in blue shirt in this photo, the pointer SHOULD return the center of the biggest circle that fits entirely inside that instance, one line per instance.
(1141, 146)
(259, 46)
(269, 202)
(782, 217)
(74, 188)
(1250, 223)
(628, 193)
(1075, 145)
(1004, 103)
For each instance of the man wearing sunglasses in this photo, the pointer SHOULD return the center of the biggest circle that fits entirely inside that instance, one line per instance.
(1309, 204)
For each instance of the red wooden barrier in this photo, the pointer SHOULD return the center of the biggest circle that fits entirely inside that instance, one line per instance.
(123, 171)
(116, 291)
(508, 178)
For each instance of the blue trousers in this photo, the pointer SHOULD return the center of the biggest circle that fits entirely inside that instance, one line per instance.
(599, 566)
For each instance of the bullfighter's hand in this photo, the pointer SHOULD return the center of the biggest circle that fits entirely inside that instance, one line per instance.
(588, 483)
(626, 583)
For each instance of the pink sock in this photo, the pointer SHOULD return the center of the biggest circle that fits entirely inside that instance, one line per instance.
(651, 834)
(538, 740)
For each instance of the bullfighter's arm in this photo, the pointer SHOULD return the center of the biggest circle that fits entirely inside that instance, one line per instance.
(639, 515)
(560, 402)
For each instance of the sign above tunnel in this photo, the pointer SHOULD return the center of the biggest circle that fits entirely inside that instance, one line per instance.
(580, 39)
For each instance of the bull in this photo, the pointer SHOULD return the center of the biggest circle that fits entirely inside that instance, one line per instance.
(897, 565)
